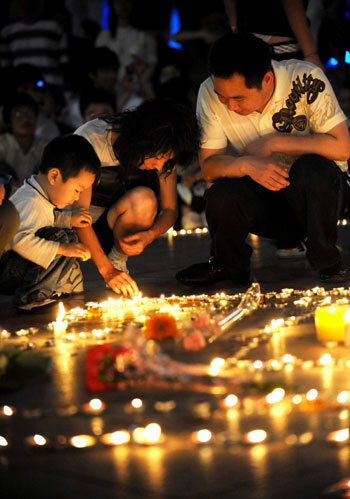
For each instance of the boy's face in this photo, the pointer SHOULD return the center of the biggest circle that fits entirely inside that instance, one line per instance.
(65, 193)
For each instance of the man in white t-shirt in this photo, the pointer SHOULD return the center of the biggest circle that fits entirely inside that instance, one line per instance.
(275, 144)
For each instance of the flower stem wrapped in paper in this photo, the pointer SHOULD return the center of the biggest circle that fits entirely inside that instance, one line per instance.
(249, 302)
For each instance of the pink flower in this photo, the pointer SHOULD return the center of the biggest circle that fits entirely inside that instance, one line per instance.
(202, 321)
(194, 341)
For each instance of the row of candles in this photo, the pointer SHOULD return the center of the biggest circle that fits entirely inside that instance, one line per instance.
(152, 433)
(204, 230)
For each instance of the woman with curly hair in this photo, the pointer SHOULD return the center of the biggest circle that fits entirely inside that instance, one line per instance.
(135, 201)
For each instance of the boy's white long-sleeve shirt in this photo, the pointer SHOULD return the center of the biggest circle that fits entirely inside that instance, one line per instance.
(36, 211)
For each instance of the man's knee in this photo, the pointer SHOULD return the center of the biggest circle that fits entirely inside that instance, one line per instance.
(226, 193)
(313, 169)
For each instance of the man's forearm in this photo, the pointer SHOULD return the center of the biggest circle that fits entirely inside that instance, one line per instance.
(319, 143)
(223, 165)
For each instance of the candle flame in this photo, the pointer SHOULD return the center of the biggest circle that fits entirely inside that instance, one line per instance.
(61, 313)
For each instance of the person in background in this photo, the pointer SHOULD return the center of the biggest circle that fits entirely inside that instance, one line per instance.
(280, 23)
(19, 147)
(275, 146)
(40, 263)
(135, 201)
(96, 103)
(34, 39)
(9, 217)
(136, 50)
(100, 75)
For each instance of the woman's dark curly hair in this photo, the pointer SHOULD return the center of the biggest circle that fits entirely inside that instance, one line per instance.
(156, 127)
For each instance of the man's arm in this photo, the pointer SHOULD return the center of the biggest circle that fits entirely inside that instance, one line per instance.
(217, 163)
(334, 145)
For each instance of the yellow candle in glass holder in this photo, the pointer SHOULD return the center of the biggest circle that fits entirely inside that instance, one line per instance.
(329, 322)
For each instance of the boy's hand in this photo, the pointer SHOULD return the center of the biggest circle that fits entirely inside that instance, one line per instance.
(77, 250)
(121, 283)
(80, 218)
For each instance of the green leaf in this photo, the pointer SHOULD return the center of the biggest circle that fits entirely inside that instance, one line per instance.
(33, 361)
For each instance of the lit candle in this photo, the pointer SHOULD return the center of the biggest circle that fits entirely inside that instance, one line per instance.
(150, 435)
(330, 323)
(82, 441)
(347, 327)
(136, 405)
(36, 441)
(95, 406)
(254, 437)
(202, 436)
(120, 437)
(6, 411)
(60, 325)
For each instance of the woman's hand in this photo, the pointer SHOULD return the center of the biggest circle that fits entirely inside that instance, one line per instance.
(121, 283)
(135, 244)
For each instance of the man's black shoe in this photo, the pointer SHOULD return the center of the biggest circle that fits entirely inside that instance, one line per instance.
(206, 273)
(339, 277)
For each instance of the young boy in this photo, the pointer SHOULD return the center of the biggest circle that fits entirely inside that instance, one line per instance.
(40, 263)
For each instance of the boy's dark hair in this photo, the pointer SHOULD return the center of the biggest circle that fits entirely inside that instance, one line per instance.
(240, 53)
(18, 99)
(70, 154)
(95, 95)
(102, 58)
(157, 126)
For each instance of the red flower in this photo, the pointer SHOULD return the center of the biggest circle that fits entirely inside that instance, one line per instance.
(99, 367)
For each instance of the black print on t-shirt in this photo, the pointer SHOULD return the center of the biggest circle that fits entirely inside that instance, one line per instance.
(285, 120)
